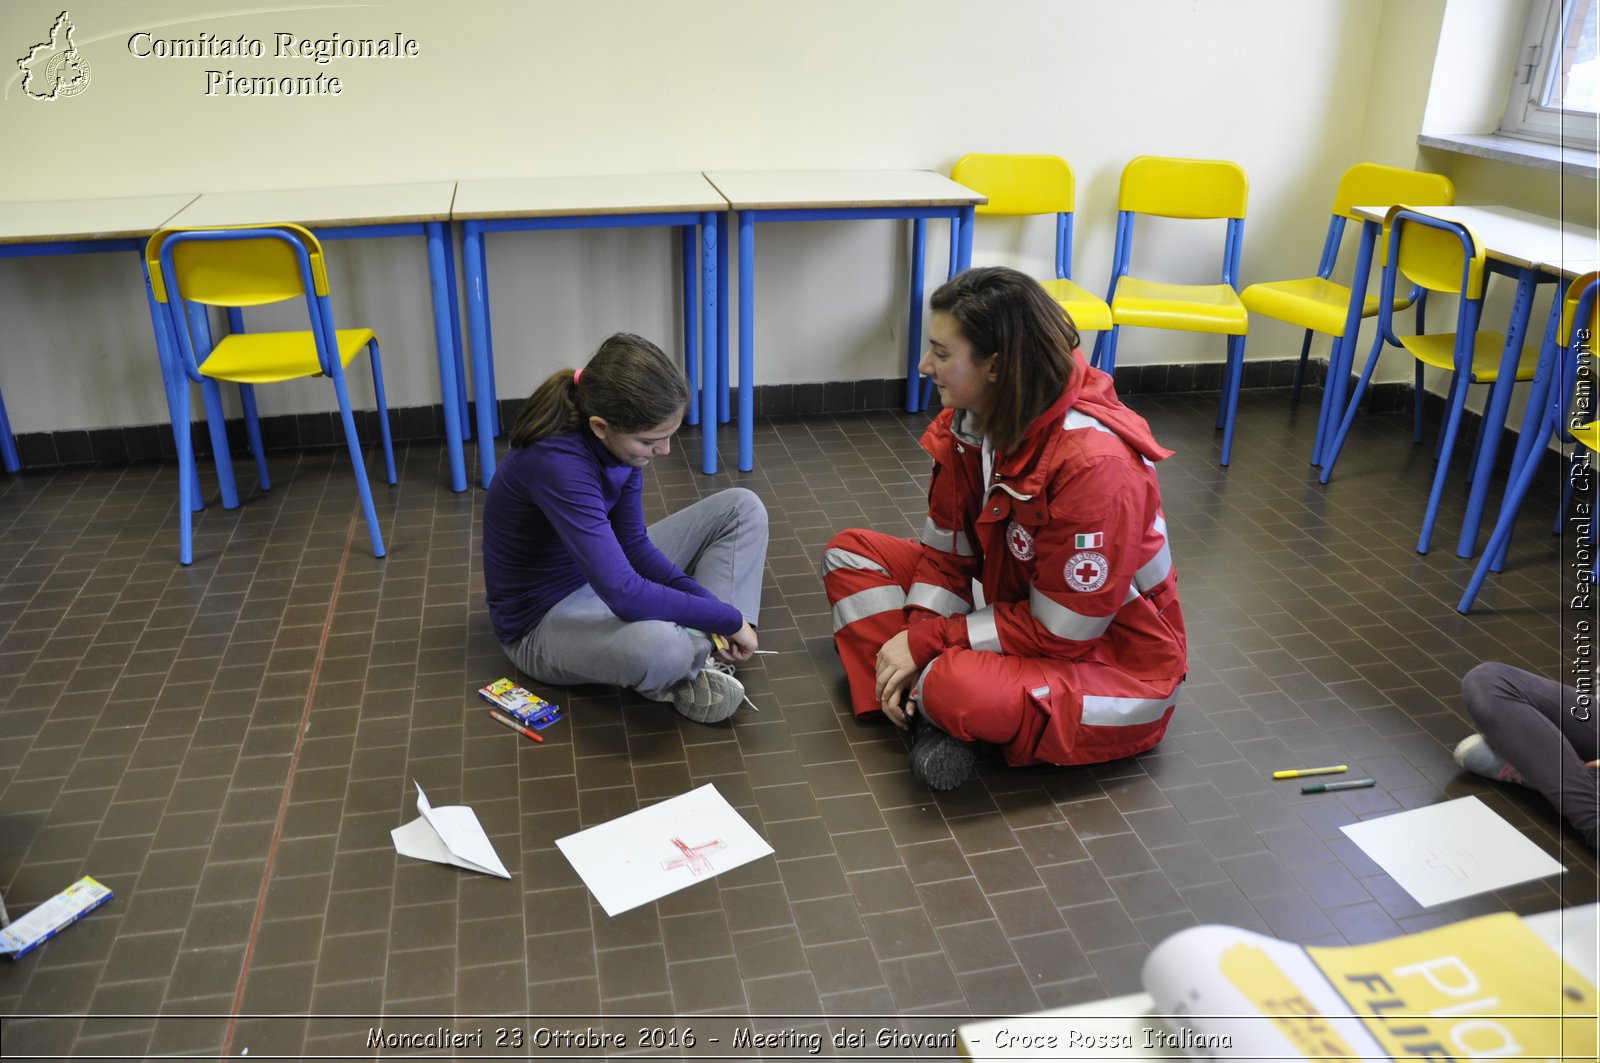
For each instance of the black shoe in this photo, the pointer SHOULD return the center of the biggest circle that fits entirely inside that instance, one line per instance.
(939, 761)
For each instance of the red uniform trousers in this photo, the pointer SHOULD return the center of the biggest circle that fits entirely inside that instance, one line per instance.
(1031, 707)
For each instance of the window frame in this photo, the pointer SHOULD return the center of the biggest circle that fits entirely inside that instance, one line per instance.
(1526, 117)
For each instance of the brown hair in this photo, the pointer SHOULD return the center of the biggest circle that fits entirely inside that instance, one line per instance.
(629, 383)
(1007, 315)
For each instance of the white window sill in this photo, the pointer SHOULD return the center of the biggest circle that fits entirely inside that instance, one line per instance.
(1529, 153)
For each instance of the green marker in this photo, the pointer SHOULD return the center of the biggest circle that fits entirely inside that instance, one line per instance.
(1324, 787)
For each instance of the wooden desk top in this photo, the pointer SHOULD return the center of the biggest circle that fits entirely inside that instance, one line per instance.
(1514, 236)
(840, 189)
(328, 208)
(48, 221)
(549, 197)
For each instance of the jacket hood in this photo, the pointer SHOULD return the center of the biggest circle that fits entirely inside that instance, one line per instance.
(1092, 392)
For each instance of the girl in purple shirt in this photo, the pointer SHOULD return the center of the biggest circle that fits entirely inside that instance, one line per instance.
(579, 590)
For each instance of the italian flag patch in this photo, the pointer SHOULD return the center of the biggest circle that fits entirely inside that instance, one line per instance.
(1089, 541)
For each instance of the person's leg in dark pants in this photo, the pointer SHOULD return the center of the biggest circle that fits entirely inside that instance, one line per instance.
(1539, 730)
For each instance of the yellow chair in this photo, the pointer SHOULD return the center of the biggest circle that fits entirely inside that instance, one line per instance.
(1318, 304)
(1551, 402)
(1029, 185)
(1439, 256)
(193, 269)
(1190, 189)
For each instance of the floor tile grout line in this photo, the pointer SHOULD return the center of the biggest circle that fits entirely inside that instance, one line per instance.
(288, 787)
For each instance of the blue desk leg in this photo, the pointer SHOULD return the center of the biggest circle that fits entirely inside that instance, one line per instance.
(724, 414)
(711, 336)
(457, 348)
(1494, 416)
(919, 249)
(442, 283)
(964, 235)
(1342, 352)
(691, 335)
(747, 354)
(477, 330)
(8, 445)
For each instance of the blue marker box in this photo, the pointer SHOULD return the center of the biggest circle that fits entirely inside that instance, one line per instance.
(54, 915)
(524, 706)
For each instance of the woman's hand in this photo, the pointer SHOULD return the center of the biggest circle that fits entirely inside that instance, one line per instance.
(896, 669)
(742, 645)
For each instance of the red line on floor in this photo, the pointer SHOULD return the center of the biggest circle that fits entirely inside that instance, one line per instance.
(288, 787)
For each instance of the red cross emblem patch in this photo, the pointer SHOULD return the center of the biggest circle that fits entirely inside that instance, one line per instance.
(1020, 542)
(1086, 571)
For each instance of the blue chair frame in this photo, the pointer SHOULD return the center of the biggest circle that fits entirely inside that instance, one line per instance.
(1105, 344)
(188, 330)
(1468, 313)
(1552, 389)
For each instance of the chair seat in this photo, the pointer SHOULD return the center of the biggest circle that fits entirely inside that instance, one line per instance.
(1588, 435)
(1439, 350)
(268, 357)
(1309, 302)
(1089, 311)
(1213, 308)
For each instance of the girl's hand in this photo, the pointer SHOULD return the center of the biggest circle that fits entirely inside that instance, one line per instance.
(742, 645)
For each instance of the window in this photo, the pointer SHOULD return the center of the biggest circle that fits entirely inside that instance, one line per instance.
(1555, 89)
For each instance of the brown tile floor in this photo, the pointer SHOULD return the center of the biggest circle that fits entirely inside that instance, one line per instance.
(227, 746)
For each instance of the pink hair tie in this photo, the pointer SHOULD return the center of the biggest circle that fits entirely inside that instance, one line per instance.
(576, 375)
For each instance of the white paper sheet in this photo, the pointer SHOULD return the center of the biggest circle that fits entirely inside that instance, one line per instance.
(659, 850)
(448, 835)
(1452, 850)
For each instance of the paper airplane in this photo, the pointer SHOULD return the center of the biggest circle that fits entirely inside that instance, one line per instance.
(449, 835)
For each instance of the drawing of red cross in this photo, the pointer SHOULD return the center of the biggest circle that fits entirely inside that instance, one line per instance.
(1087, 571)
(693, 856)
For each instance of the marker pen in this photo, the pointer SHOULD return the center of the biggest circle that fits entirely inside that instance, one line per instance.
(1325, 787)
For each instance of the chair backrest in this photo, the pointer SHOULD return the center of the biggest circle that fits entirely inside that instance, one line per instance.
(1588, 286)
(1368, 184)
(1184, 188)
(1018, 184)
(237, 266)
(1439, 255)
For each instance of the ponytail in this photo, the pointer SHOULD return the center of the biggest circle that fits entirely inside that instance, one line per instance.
(630, 383)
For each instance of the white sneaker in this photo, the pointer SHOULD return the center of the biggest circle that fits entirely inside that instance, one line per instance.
(710, 697)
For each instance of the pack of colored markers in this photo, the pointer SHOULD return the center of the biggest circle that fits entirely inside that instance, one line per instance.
(524, 706)
(54, 915)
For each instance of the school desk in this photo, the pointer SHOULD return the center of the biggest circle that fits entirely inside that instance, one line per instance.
(87, 226)
(836, 195)
(359, 212)
(684, 200)
(1517, 244)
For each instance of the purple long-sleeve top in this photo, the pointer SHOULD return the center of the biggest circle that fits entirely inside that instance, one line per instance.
(564, 512)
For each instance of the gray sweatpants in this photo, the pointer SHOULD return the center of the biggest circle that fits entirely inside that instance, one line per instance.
(721, 541)
(1540, 728)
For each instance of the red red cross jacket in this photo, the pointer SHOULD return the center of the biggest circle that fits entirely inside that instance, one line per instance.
(1065, 535)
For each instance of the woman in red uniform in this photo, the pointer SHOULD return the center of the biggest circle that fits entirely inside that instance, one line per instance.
(1044, 494)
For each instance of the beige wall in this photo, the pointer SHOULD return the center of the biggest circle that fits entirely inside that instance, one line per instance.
(1295, 92)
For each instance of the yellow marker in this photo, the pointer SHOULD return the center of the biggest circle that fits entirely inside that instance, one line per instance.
(1295, 773)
